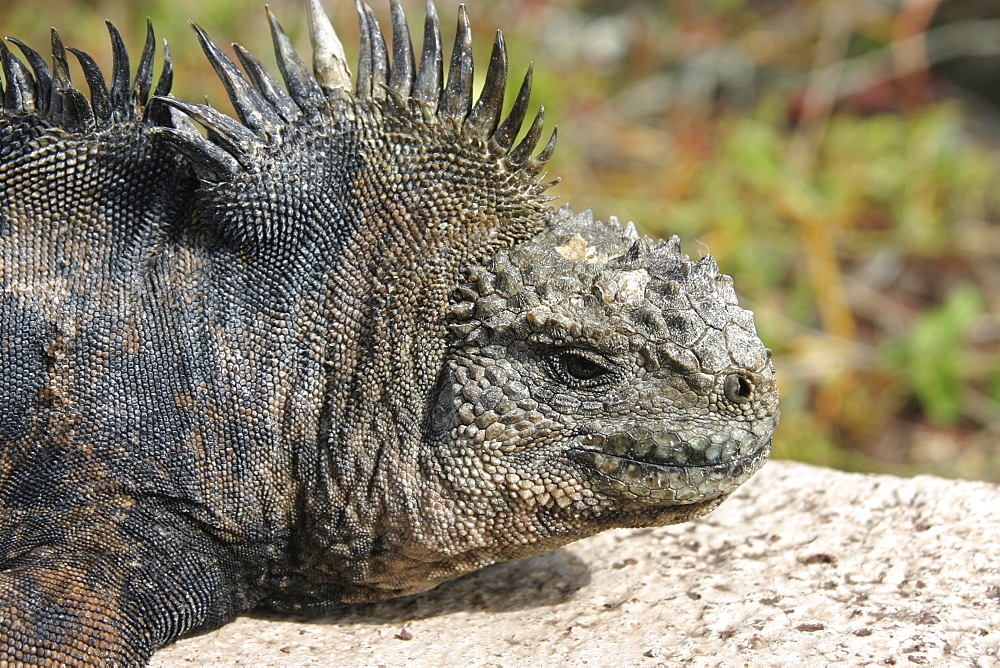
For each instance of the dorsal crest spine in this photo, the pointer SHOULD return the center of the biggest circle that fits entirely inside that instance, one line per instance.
(49, 94)
(400, 86)
(397, 87)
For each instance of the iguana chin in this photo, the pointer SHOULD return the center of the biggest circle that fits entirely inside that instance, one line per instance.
(338, 350)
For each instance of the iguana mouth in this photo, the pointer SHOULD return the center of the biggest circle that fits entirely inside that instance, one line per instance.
(666, 479)
(672, 449)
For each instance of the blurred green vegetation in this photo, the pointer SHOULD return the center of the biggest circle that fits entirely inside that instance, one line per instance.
(805, 143)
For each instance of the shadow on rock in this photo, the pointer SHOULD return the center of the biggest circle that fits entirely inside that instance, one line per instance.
(543, 580)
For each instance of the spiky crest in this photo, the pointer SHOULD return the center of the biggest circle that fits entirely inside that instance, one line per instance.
(48, 93)
(329, 61)
(396, 87)
(400, 86)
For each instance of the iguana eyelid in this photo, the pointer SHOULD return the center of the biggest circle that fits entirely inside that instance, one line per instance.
(561, 360)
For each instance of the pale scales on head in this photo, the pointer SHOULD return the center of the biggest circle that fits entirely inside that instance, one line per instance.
(608, 272)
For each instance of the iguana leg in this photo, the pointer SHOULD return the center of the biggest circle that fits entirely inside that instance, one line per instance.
(93, 587)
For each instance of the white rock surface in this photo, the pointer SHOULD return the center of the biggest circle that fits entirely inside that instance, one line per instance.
(803, 565)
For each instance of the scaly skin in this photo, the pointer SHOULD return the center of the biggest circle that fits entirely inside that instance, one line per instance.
(339, 350)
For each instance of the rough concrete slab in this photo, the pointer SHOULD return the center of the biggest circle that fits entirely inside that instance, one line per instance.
(802, 565)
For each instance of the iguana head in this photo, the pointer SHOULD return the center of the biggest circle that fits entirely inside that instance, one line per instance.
(596, 380)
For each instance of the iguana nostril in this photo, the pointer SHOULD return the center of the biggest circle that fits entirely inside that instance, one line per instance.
(737, 388)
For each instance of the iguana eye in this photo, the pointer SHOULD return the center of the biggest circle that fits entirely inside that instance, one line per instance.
(582, 368)
(577, 368)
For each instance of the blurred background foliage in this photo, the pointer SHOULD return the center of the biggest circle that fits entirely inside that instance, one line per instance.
(838, 157)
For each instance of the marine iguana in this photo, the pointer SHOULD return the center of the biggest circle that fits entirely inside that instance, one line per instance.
(340, 349)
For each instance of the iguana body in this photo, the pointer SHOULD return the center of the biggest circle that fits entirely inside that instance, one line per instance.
(340, 350)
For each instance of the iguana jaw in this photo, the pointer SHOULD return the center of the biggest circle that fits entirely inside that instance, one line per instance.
(626, 475)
